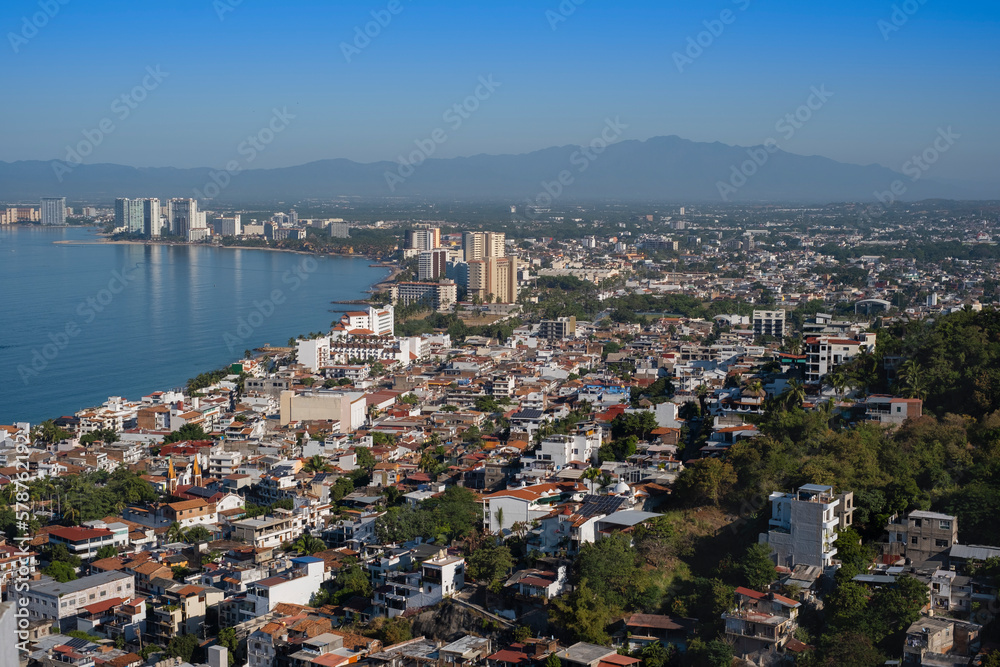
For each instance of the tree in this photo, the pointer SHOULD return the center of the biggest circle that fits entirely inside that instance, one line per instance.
(186, 432)
(366, 460)
(315, 464)
(756, 567)
(490, 564)
(227, 638)
(61, 571)
(183, 646)
(396, 630)
(613, 569)
(175, 533)
(583, 614)
(705, 481)
(715, 653)
(553, 660)
(309, 544)
(197, 535)
(107, 551)
(352, 581)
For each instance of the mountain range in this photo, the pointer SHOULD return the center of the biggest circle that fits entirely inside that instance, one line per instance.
(666, 169)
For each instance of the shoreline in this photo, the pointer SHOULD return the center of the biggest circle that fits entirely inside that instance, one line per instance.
(108, 241)
(365, 294)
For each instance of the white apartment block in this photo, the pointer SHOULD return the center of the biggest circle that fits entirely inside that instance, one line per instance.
(297, 586)
(313, 353)
(561, 450)
(54, 601)
(824, 353)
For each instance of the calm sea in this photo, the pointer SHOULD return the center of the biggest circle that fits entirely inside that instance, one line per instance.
(82, 321)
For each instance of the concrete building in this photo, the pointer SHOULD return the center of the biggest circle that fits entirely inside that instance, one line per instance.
(439, 296)
(920, 536)
(152, 217)
(86, 541)
(493, 279)
(183, 216)
(53, 210)
(560, 450)
(229, 226)
(129, 215)
(941, 641)
(803, 525)
(56, 602)
(892, 409)
(8, 635)
(432, 264)
(760, 622)
(313, 353)
(298, 586)
(824, 353)
(558, 329)
(423, 239)
(349, 408)
(482, 245)
(769, 323)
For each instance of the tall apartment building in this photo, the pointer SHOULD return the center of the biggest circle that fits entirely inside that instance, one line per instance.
(229, 226)
(152, 217)
(824, 353)
(769, 323)
(432, 264)
(803, 525)
(129, 215)
(183, 215)
(439, 296)
(423, 239)
(53, 210)
(493, 279)
(482, 245)
(340, 230)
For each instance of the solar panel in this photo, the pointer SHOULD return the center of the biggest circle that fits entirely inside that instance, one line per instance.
(593, 505)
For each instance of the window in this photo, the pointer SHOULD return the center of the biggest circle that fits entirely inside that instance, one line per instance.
(944, 525)
(943, 544)
(913, 540)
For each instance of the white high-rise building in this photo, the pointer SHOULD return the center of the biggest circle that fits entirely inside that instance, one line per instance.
(53, 210)
(152, 219)
(432, 264)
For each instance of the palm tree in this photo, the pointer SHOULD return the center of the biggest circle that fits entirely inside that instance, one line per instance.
(309, 544)
(315, 463)
(591, 474)
(914, 379)
(794, 395)
(499, 517)
(702, 392)
(175, 533)
(793, 345)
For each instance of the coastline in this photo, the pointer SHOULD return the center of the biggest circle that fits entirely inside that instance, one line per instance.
(107, 241)
(363, 294)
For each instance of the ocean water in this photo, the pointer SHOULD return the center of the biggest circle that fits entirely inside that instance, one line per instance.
(81, 320)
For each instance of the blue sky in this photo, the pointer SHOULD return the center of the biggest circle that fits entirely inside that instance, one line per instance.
(606, 59)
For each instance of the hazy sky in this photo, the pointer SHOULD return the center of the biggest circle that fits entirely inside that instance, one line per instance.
(558, 79)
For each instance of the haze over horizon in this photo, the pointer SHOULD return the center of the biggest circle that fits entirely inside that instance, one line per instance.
(556, 75)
